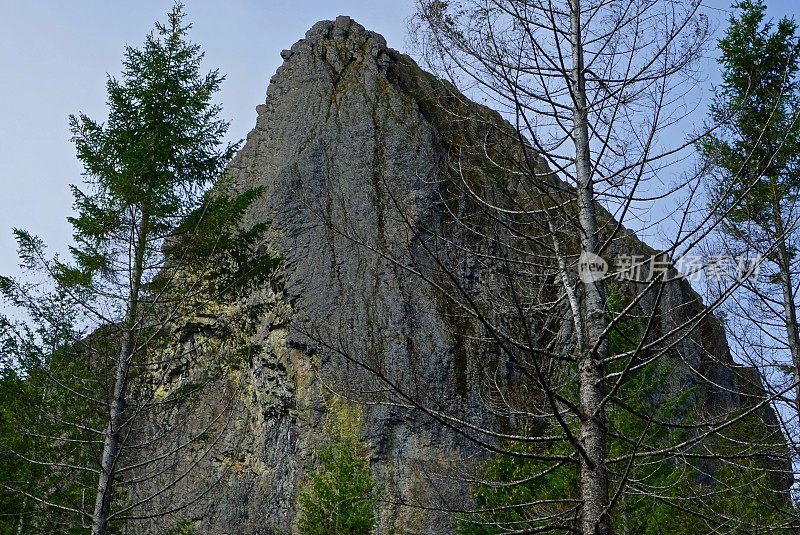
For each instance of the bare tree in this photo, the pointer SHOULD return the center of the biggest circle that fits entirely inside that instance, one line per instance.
(592, 91)
(579, 66)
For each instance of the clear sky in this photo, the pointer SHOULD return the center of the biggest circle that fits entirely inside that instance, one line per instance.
(54, 56)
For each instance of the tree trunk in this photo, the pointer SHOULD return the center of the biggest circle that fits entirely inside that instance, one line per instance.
(593, 469)
(789, 305)
(791, 332)
(21, 522)
(111, 446)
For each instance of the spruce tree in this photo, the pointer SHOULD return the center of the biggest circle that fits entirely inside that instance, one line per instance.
(340, 496)
(754, 158)
(159, 240)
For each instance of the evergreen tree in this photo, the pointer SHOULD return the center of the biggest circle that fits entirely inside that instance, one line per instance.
(340, 496)
(159, 242)
(754, 157)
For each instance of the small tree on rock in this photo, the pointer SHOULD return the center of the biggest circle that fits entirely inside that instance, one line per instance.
(340, 496)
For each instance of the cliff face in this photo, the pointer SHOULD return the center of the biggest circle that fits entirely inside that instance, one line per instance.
(349, 147)
(338, 136)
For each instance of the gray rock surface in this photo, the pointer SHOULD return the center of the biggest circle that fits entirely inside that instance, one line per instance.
(349, 145)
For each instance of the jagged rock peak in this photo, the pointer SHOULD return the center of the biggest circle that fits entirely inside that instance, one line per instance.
(338, 43)
(344, 31)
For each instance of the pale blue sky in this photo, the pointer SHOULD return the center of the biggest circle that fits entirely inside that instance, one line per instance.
(53, 60)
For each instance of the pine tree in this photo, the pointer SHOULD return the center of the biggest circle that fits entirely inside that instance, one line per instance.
(340, 496)
(754, 156)
(159, 239)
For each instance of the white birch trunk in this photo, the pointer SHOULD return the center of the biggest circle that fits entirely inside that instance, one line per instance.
(593, 469)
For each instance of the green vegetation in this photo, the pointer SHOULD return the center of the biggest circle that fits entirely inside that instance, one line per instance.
(753, 157)
(183, 527)
(755, 151)
(340, 496)
(664, 493)
(160, 240)
(47, 442)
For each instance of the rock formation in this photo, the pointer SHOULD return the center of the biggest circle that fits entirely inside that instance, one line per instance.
(348, 145)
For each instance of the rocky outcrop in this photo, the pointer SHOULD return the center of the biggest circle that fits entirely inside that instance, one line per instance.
(350, 146)
(336, 127)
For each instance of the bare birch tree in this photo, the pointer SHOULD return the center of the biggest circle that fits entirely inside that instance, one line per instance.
(631, 392)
